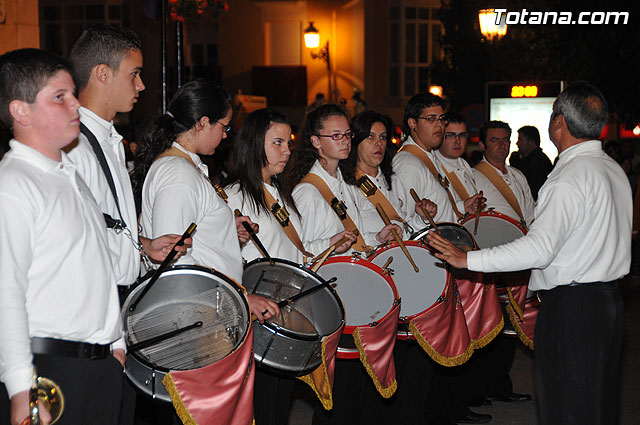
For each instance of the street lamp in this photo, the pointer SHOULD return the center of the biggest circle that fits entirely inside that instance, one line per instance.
(312, 41)
(488, 26)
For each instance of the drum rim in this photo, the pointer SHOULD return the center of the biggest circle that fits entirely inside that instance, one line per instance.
(313, 274)
(428, 227)
(353, 259)
(124, 313)
(497, 215)
(418, 243)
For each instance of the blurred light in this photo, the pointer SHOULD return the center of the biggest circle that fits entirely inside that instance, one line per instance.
(437, 90)
(311, 36)
(395, 140)
(524, 91)
(636, 130)
(488, 27)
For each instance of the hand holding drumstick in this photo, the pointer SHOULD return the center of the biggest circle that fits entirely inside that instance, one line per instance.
(397, 237)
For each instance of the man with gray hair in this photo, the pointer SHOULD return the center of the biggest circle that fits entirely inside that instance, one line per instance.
(578, 247)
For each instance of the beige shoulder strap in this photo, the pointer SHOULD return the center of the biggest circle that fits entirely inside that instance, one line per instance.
(282, 216)
(504, 189)
(422, 156)
(456, 183)
(338, 207)
(375, 196)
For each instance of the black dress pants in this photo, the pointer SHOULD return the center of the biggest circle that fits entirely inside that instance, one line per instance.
(578, 342)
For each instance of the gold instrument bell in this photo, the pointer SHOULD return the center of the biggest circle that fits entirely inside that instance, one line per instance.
(50, 397)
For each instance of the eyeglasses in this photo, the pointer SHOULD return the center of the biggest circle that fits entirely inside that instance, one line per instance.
(336, 137)
(432, 119)
(454, 136)
(225, 128)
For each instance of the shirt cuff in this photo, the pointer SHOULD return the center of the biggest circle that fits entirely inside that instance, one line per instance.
(474, 261)
(119, 344)
(18, 380)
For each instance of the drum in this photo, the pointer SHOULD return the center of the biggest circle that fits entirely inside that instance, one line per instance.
(494, 229)
(292, 342)
(182, 297)
(418, 291)
(367, 293)
(453, 232)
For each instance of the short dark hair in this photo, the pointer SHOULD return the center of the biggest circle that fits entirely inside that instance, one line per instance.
(250, 157)
(23, 73)
(361, 127)
(416, 105)
(100, 44)
(454, 118)
(531, 133)
(584, 108)
(492, 124)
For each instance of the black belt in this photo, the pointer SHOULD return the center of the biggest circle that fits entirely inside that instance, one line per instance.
(75, 349)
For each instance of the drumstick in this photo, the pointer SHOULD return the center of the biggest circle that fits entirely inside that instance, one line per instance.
(396, 236)
(416, 198)
(475, 225)
(324, 254)
(254, 238)
(388, 262)
(304, 293)
(163, 337)
(187, 234)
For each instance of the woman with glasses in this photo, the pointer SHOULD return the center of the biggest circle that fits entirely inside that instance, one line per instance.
(172, 187)
(370, 157)
(326, 140)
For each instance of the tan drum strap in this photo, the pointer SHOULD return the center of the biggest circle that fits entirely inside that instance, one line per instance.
(456, 183)
(504, 189)
(375, 196)
(339, 208)
(444, 182)
(173, 151)
(279, 212)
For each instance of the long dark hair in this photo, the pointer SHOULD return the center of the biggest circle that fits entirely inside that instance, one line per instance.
(361, 127)
(192, 101)
(305, 154)
(250, 157)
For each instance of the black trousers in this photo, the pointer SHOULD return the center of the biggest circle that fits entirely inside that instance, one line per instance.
(578, 342)
(272, 397)
(92, 389)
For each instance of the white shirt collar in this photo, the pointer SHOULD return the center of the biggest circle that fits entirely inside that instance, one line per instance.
(21, 151)
(194, 157)
(102, 129)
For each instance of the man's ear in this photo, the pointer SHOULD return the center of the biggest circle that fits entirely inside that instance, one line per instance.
(412, 123)
(482, 147)
(20, 112)
(102, 73)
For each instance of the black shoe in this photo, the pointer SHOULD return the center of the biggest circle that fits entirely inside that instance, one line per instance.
(511, 397)
(479, 402)
(473, 418)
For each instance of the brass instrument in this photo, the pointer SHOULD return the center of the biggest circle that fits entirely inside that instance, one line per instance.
(50, 396)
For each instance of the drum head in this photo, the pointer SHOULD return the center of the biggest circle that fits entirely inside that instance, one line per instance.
(366, 293)
(320, 313)
(494, 229)
(418, 291)
(180, 297)
(454, 233)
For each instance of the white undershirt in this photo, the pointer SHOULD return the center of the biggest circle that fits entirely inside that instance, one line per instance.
(463, 171)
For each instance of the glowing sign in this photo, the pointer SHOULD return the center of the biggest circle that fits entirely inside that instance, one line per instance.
(524, 91)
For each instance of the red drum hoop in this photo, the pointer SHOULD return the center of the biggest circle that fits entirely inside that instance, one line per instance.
(367, 293)
(420, 292)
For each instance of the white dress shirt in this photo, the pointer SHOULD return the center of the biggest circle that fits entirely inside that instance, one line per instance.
(582, 231)
(371, 220)
(124, 255)
(271, 233)
(57, 279)
(519, 186)
(463, 171)
(414, 174)
(176, 194)
(319, 221)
